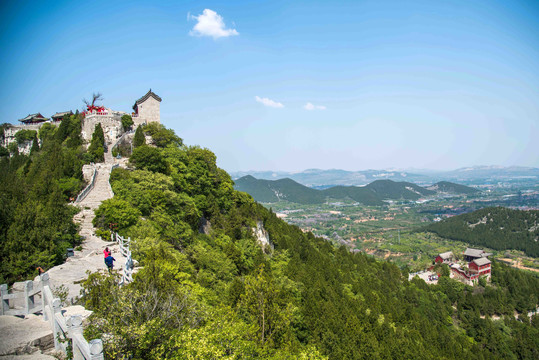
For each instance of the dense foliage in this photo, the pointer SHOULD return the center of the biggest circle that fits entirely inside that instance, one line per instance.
(127, 122)
(36, 224)
(497, 228)
(25, 135)
(139, 138)
(96, 150)
(214, 292)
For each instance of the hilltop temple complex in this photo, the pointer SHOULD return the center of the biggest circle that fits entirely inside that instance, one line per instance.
(475, 265)
(145, 110)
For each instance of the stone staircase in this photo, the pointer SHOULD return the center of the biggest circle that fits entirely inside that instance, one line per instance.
(90, 258)
(31, 337)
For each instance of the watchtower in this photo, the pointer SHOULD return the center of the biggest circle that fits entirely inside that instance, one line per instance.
(147, 109)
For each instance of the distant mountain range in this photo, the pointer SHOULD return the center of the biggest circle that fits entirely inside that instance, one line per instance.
(318, 178)
(375, 193)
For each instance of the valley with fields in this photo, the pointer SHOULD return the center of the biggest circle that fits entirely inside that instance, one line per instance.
(398, 222)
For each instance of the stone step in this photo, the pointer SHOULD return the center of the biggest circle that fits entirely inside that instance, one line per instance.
(24, 336)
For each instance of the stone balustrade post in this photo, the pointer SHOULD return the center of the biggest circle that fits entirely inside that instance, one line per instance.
(96, 349)
(44, 282)
(28, 297)
(56, 330)
(75, 328)
(4, 307)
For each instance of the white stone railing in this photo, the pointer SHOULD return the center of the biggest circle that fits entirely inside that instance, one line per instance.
(98, 113)
(127, 274)
(64, 330)
(88, 188)
(110, 185)
(26, 297)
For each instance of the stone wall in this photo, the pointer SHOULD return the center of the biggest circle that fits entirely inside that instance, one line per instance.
(111, 124)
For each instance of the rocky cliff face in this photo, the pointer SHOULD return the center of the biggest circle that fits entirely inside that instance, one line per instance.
(262, 235)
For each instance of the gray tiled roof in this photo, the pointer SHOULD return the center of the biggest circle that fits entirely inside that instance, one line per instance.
(473, 252)
(481, 261)
(30, 117)
(146, 97)
(61, 114)
(446, 255)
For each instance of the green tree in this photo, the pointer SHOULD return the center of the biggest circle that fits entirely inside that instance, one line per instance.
(139, 138)
(96, 148)
(162, 136)
(4, 151)
(264, 305)
(127, 121)
(116, 211)
(35, 146)
(149, 158)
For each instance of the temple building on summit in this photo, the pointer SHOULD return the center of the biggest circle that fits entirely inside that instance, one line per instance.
(147, 109)
(60, 115)
(33, 119)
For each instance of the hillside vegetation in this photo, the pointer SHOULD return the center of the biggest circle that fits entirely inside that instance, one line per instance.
(221, 294)
(36, 224)
(217, 293)
(452, 188)
(287, 189)
(495, 227)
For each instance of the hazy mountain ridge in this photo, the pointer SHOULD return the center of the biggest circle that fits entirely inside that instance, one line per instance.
(372, 194)
(319, 177)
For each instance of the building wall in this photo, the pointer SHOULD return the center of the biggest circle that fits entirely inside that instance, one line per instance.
(148, 111)
(111, 124)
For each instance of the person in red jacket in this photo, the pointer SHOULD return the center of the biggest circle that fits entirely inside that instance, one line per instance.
(106, 252)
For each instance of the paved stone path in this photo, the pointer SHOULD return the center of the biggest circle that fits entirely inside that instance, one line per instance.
(74, 270)
(28, 337)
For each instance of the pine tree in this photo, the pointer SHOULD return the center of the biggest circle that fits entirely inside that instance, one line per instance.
(96, 148)
(139, 139)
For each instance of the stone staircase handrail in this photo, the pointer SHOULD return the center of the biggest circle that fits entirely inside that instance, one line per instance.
(88, 188)
(124, 244)
(27, 297)
(63, 329)
(112, 168)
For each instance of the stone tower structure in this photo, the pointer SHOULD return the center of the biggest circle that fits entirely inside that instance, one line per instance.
(147, 109)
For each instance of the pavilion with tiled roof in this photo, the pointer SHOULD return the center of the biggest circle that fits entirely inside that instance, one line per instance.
(60, 115)
(33, 119)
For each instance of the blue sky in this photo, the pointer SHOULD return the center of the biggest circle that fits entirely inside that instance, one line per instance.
(291, 85)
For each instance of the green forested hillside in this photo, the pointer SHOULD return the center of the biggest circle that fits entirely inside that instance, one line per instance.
(36, 225)
(221, 295)
(388, 189)
(362, 195)
(497, 228)
(452, 188)
(289, 190)
(276, 190)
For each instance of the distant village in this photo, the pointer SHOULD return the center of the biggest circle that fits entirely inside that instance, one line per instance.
(145, 110)
(473, 265)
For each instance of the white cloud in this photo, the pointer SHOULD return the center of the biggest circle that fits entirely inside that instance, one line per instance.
(310, 107)
(209, 23)
(269, 102)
